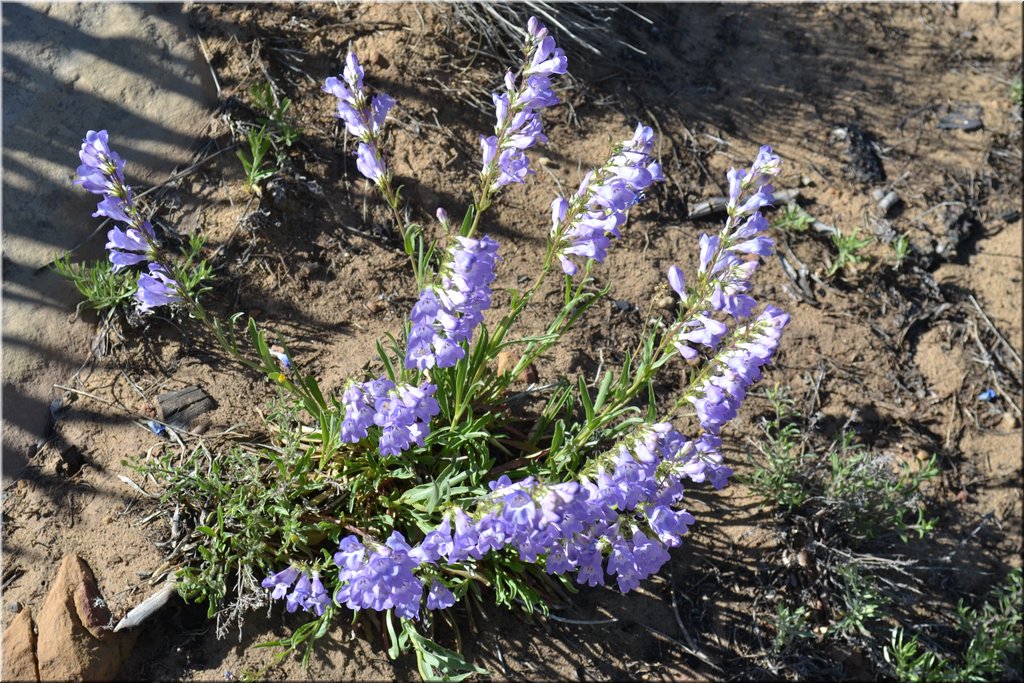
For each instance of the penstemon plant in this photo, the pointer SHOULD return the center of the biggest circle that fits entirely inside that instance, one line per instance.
(439, 493)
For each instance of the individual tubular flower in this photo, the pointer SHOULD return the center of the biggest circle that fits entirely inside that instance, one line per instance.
(447, 313)
(157, 288)
(584, 224)
(439, 596)
(281, 582)
(518, 126)
(364, 117)
(131, 246)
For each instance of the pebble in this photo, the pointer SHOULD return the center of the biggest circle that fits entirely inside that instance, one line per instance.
(877, 194)
(888, 201)
(622, 305)
(665, 302)
(1009, 422)
(14, 607)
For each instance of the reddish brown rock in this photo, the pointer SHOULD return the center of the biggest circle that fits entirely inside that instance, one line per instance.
(75, 638)
(20, 649)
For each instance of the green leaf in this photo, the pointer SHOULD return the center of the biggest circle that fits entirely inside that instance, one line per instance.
(602, 392)
(588, 406)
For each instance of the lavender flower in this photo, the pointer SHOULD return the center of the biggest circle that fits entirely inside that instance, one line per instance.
(717, 398)
(439, 596)
(379, 577)
(130, 246)
(157, 288)
(402, 412)
(102, 169)
(308, 592)
(447, 314)
(281, 582)
(364, 118)
(518, 125)
(583, 225)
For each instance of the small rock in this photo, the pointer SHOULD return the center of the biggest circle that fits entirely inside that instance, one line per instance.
(890, 200)
(665, 301)
(506, 361)
(75, 641)
(1009, 423)
(14, 607)
(547, 162)
(19, 650)
(877, 194)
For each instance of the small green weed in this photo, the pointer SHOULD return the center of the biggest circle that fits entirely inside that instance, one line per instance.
(247, 508)
(275, 134)
(993, 642)
(792, 218)
(280, 130)
(854, 487)
(195, 271)
(103, 288)
(779, 478)
(868, 499)
(255, 162)
(861, 602)
(791, 625)
(900, 249)
(847, 248)
(1017, 91)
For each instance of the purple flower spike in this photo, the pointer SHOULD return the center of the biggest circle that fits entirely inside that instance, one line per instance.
(447, 313)
(601, 204)
(102, 169)
(517, 123)
(364, 117)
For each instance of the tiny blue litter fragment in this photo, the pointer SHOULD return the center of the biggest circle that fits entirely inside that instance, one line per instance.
(281, 357)
(156, 427)
(987, 395)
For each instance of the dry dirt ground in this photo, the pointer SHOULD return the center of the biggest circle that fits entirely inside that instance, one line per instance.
(898, 354)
